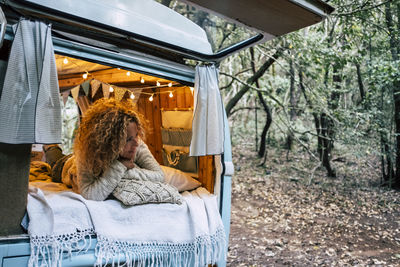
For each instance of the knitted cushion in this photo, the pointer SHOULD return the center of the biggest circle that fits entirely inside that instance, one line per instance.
(136, 192)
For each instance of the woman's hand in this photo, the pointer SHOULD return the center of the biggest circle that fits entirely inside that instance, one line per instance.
(128, 163)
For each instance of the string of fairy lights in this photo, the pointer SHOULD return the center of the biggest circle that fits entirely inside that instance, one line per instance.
(142, 81)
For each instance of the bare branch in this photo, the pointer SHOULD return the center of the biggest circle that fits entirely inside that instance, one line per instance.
(243, 108)
(230, 83)
(253, 88)
(233, 101)
(362, 8)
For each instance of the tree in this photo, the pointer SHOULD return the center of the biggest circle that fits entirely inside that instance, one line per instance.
(268, 121)
(394, 44)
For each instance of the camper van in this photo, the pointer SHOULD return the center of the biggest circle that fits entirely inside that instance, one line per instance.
(161, 55)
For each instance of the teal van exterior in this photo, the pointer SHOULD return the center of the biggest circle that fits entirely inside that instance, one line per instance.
(158, 42)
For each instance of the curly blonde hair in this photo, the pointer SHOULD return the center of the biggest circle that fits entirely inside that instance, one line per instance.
(102, 133)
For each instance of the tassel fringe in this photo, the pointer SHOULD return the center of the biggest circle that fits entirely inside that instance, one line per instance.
(49, 250)
(207, 249)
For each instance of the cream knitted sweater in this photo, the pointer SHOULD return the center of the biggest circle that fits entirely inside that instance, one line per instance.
(99, 188)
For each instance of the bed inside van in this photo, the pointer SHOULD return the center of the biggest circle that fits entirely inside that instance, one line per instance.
(167, 106)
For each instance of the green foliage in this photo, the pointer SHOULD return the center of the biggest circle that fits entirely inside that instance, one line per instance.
(327, 56)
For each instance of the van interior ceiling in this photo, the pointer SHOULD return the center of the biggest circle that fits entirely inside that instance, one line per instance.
(162, 102)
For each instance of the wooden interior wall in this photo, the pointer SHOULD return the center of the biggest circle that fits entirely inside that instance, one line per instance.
(182, 99)
(152, 114)
(207, 172)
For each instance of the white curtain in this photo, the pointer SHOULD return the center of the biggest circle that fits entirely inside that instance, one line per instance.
(30, 109)
(208, 120)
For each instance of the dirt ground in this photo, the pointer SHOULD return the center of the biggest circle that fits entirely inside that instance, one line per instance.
(289, 213)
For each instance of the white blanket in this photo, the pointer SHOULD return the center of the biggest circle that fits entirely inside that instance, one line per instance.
(190, 234)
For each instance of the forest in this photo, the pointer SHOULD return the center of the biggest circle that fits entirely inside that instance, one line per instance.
(330, 86)
(315, 125)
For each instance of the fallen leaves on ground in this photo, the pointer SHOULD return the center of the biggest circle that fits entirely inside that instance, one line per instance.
(288, 213)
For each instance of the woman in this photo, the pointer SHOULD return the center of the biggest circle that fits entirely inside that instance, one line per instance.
(107, 148)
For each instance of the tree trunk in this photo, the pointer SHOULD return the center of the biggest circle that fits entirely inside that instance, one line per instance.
(320, 140)
(263, 138)
(395, 50)
(360, 83)
(235, 99)
(324, 125)
(326, 131)
(396, 96)
(335, 95)
(315, 115)
(386, 161)
(327, 126)
(292, 106)
(386, 153)
(292, 93)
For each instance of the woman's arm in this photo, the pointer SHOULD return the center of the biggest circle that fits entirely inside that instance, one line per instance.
(99, 188)
(147, 168)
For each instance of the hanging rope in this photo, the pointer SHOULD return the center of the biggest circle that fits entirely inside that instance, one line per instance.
(173, 157)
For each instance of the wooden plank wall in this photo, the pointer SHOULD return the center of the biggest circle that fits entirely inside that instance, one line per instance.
(207, 172)
(182, 99)
(152, 114)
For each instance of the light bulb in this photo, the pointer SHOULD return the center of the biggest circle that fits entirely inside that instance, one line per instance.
(151, 98)
(170, 84)
(111, 89)
(132, 96)
(141, 80)
(158, 83)
(128, 73)
(84, 75)
(171, 94)
(65, 61)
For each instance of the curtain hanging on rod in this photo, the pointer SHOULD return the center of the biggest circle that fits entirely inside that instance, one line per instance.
(208, 119)
(30, 110)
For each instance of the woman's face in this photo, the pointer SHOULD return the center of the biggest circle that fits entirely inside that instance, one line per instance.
(132, 142)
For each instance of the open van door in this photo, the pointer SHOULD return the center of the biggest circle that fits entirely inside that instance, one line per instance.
(158, 29)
